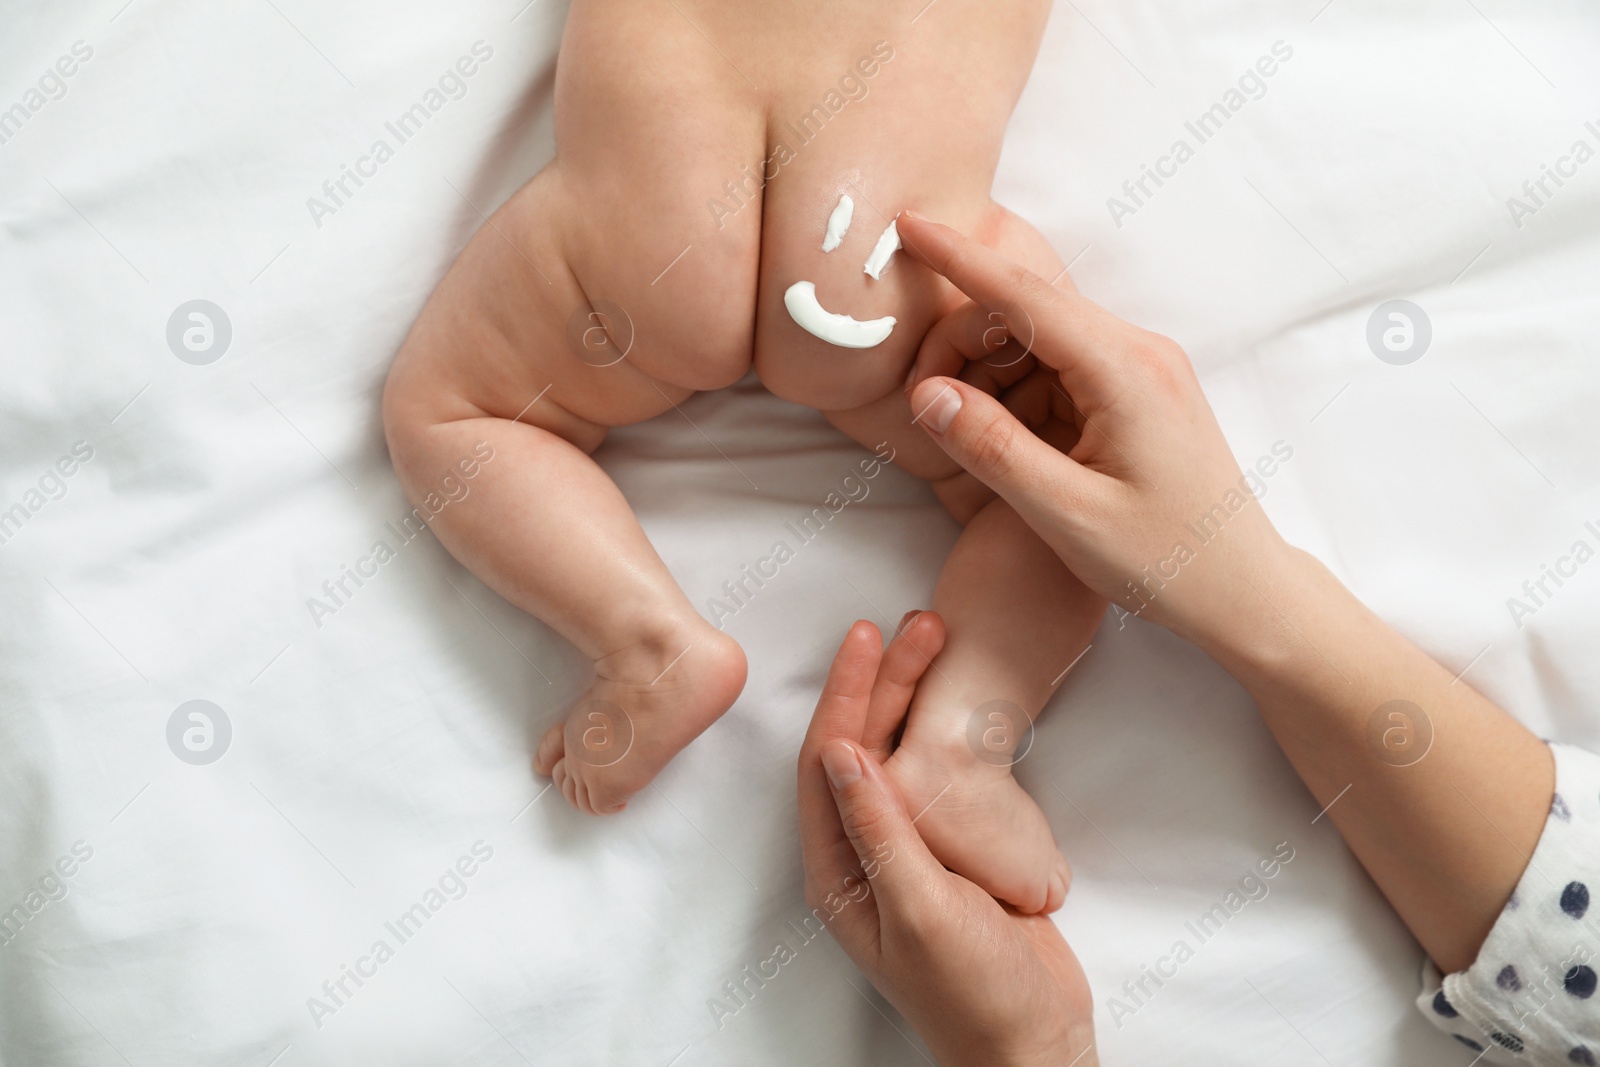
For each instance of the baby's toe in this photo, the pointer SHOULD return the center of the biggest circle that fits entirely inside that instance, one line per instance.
(1032, 888)
(603, 795)
(1060, 883)
(1030, 870)
(565, 781)
(551, 748)
(589, 789)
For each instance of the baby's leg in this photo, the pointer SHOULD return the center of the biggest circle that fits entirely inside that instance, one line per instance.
(548, 530)
(1015, 619)
(544, 526)
(578, 306)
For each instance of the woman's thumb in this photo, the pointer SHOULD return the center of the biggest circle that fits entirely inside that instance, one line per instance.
(892, 853)
(988, 441)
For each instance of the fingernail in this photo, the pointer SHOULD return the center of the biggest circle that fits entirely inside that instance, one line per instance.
(905, 620)
(911, 375)
(941, 412)
(909, 214)
(839, 760)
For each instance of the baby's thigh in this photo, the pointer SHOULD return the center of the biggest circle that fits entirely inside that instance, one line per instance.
(916, 122)
(652, 126)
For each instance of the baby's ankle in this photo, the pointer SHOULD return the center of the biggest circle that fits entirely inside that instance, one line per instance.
(956, 732)
(651, 645)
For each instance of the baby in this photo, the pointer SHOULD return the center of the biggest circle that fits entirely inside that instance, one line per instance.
(705, 153)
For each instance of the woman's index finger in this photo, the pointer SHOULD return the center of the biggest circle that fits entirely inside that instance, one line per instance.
(1067, 330)
(976, 269)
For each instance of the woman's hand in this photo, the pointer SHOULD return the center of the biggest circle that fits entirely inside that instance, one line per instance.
(1148, 506)
(980, 983)
(1441, 795)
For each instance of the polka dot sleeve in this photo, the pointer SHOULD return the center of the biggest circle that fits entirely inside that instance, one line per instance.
(1529, 998)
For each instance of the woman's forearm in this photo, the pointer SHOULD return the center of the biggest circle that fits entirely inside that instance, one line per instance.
(1442, 797)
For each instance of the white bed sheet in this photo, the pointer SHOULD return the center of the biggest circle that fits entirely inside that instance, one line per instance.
(371, 753)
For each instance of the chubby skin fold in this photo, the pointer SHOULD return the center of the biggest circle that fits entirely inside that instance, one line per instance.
(654, 210)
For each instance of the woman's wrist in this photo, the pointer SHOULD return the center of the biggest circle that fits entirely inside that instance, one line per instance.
(1076, 1049)
(1053, 1033)
(1253, 609)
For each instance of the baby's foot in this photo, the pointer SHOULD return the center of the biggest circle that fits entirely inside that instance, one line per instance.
(974, 816)
(647, 702)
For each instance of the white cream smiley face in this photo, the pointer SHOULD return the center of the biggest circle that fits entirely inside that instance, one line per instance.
(836, 329)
